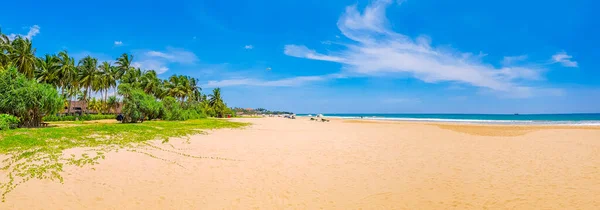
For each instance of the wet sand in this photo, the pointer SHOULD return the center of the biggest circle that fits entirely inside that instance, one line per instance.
(299, 164)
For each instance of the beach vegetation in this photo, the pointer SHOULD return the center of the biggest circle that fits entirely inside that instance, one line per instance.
(27, 99)
(39, 153)
(8, 122)
(51, 82)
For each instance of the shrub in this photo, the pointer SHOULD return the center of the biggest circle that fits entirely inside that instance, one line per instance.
(172, 110)
(138, 105)
(51, 118)
(8, 122)
(26, 98)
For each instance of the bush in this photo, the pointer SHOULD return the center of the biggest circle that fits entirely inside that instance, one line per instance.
(8, 122)
(51, 118)
(138, 105)
(171, 109)
(26, 98)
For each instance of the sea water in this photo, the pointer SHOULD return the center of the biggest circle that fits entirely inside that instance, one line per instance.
(560, 119)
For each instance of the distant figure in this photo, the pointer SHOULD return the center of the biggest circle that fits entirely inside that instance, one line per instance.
(120, 117)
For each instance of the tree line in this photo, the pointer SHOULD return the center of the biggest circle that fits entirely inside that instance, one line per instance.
(78, 80)
(258, 111)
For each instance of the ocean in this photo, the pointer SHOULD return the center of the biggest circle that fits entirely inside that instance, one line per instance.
(553, 119)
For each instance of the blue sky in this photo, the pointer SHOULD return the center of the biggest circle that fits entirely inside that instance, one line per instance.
(344, 56)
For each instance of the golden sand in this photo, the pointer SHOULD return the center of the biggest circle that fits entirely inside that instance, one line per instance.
(299, 164)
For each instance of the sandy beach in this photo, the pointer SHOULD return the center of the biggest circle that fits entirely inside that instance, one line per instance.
(345, 164)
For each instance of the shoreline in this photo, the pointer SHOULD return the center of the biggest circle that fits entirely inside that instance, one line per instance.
(468, 121)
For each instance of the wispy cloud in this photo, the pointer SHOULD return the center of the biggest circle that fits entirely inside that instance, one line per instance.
(159, 60)
(118, 43)
(564, 59)
(33, 30)
(175, 55)
(510, 60)
(378, 51)
(285, 82)
(248, 47)
(156, 65)
(304, 52)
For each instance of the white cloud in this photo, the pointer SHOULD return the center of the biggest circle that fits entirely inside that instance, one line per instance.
(118, 43)
(510, 60)
(248, 47)
(564, 59)
(159, 61)
(286, 82)
(174, 55)
(304, 52)
(33, 30)
(155, 65)
(379, 51)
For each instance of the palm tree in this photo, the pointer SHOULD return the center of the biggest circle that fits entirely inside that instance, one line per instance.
(113, 102)
(47, 70)
(177, 87)
(150, 82)
(67, 72)
(87, 76)
(195, 93)
(132, 77)
(216, 102)
(23, 56)
(124, 64)
(5, 49)
(107, 78)
(95, 105)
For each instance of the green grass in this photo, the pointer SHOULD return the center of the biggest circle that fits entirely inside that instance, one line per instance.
(38, 153)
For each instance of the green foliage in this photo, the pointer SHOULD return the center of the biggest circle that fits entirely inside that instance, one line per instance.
(138, 105)
(52, 118)
(38, 153)
(8, 122)
(172, 109)
(78, 80)
(219, 108)
(258, 111)
(26, 98)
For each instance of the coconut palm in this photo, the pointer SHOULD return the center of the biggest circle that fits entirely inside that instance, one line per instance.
(195, 90)
(47, 70)
(132, 77)
(68, 74)
(87, 75)
(124, 63)
(150, 83)
(22, 55)
(95, 105)
(177, 87)
(5, 49)
(216, 102)
(107, 78)
(113, 102)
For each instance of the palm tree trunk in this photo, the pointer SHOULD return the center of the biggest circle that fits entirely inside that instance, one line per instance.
(105, 99)
(85, 95)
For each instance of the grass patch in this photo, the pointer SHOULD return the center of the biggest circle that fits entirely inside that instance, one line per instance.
(38, 153)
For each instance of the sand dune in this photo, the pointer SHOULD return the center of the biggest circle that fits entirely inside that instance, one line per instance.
(298, 164)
